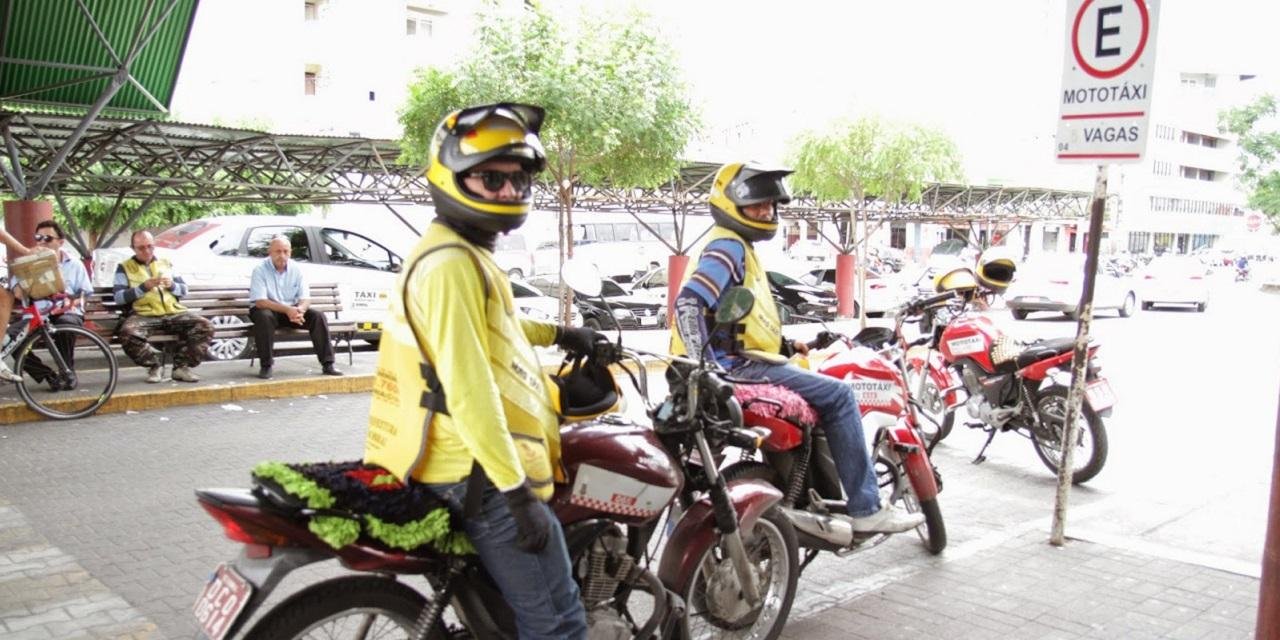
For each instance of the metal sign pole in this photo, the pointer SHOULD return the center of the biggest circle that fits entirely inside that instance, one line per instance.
(1081, 357)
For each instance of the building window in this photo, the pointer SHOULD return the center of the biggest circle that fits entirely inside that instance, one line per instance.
(1050, 240)
(898, 236)
(1162, 168)
(420, 23)
(1195, 173)
(1165, 132)
(1202, 241)
(1164, 242)
(311, 10)
(310, 81)
(1138, 241)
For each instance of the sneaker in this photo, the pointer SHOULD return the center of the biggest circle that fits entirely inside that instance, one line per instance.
(7, 374)
(889, 519)
(153, 374)
(264, 373)
(185, 374)
(330, 370)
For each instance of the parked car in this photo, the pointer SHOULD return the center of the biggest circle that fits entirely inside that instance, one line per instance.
(1054, 282)
(225, 250)
(539, 306)
(883, 294)
(795, 297)
(1176, 280)
(624, 310)
(652, 286)
(513, 255)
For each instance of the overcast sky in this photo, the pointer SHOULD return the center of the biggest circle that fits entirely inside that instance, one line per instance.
(987, 71)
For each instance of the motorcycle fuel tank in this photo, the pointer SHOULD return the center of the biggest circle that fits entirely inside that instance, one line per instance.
(616, 469)
(876, 382)
(970, 337)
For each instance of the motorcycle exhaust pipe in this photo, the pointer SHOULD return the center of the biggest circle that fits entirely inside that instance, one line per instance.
(819, 530)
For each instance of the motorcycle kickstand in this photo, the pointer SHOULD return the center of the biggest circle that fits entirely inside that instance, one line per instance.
(991, 435)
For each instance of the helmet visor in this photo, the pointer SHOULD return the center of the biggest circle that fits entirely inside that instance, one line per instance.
(763, 187)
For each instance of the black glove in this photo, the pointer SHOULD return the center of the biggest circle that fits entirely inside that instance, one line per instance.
(580, 340)
(532, 527)
(823, 340)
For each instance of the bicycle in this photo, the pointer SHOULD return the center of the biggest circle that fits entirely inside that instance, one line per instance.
(71, 392)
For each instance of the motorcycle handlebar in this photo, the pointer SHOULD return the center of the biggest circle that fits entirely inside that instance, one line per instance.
(920, 304)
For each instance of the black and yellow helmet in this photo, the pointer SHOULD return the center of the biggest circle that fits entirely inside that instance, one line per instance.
(470, 137)
(741, 184)
(996, 270)
(960, 280)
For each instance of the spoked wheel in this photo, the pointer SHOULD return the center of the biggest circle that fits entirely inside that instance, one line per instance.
(715, 607)
(365, 607)
(227, 348)
(935, 420)
(55, 389)
(1091, 436)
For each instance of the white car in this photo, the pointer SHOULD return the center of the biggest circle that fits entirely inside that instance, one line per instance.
(536, 305)
(1177, 280)
(883, 294)
(1054, 282)
(225, 250)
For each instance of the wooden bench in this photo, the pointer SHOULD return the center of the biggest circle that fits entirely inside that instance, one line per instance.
(228, 308)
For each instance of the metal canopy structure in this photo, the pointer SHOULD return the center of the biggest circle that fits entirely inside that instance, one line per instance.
(88, 56)
(152, 160)
(938, 203)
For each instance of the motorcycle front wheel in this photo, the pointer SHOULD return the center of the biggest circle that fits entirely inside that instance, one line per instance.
(1091, 444)
(714, 604)
(367, 607)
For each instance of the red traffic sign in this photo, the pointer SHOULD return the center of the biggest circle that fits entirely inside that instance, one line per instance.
(1097, 56)
(1253, 221)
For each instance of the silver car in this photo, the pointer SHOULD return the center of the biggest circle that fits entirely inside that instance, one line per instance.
(1054, 282)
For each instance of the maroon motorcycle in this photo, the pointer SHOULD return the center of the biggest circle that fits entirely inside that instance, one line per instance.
(727, 554)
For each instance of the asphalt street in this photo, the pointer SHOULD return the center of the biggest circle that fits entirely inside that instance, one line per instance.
(101, 509)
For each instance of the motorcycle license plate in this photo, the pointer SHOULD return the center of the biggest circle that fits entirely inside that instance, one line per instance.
(221, 602)
(1100, 395)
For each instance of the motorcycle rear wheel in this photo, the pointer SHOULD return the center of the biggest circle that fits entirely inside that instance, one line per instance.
(327, 609)
(1052, 407)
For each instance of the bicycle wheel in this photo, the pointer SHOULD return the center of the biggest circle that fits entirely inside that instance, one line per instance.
(54, 390)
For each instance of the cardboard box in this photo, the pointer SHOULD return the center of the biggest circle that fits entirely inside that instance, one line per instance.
(38, 274)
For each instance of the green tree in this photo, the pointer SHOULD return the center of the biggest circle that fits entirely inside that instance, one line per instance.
(867, 159)
(1254, 126)
(97, 222)
(617, 112)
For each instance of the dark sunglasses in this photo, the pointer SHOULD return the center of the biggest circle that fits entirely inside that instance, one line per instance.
(493, 180)
(40, 237)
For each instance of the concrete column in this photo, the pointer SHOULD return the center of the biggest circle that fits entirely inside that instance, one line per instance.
(22, 216)
(676, 266)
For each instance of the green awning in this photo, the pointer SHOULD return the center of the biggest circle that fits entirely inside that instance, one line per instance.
(64, 53)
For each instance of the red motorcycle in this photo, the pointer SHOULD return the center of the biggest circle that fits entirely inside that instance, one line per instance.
(1008, 385)
(727, 554)
(797, 457)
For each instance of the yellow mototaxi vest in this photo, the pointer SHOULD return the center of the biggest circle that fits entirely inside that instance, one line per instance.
(762, 339)
(412, 440)
(156, 302)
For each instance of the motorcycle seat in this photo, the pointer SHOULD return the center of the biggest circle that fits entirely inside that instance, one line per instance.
(1037, 351)
(764, 402)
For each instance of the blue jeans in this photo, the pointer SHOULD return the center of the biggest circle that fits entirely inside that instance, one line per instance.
(538, 587)
(838, 416)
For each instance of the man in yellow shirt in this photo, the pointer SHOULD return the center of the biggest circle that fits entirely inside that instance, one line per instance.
(459, 399)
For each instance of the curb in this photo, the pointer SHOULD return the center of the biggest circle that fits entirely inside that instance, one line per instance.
(215, 393)
(208, 394)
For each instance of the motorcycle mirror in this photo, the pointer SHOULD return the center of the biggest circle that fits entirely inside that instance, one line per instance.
(735, 304)
(581, 276)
